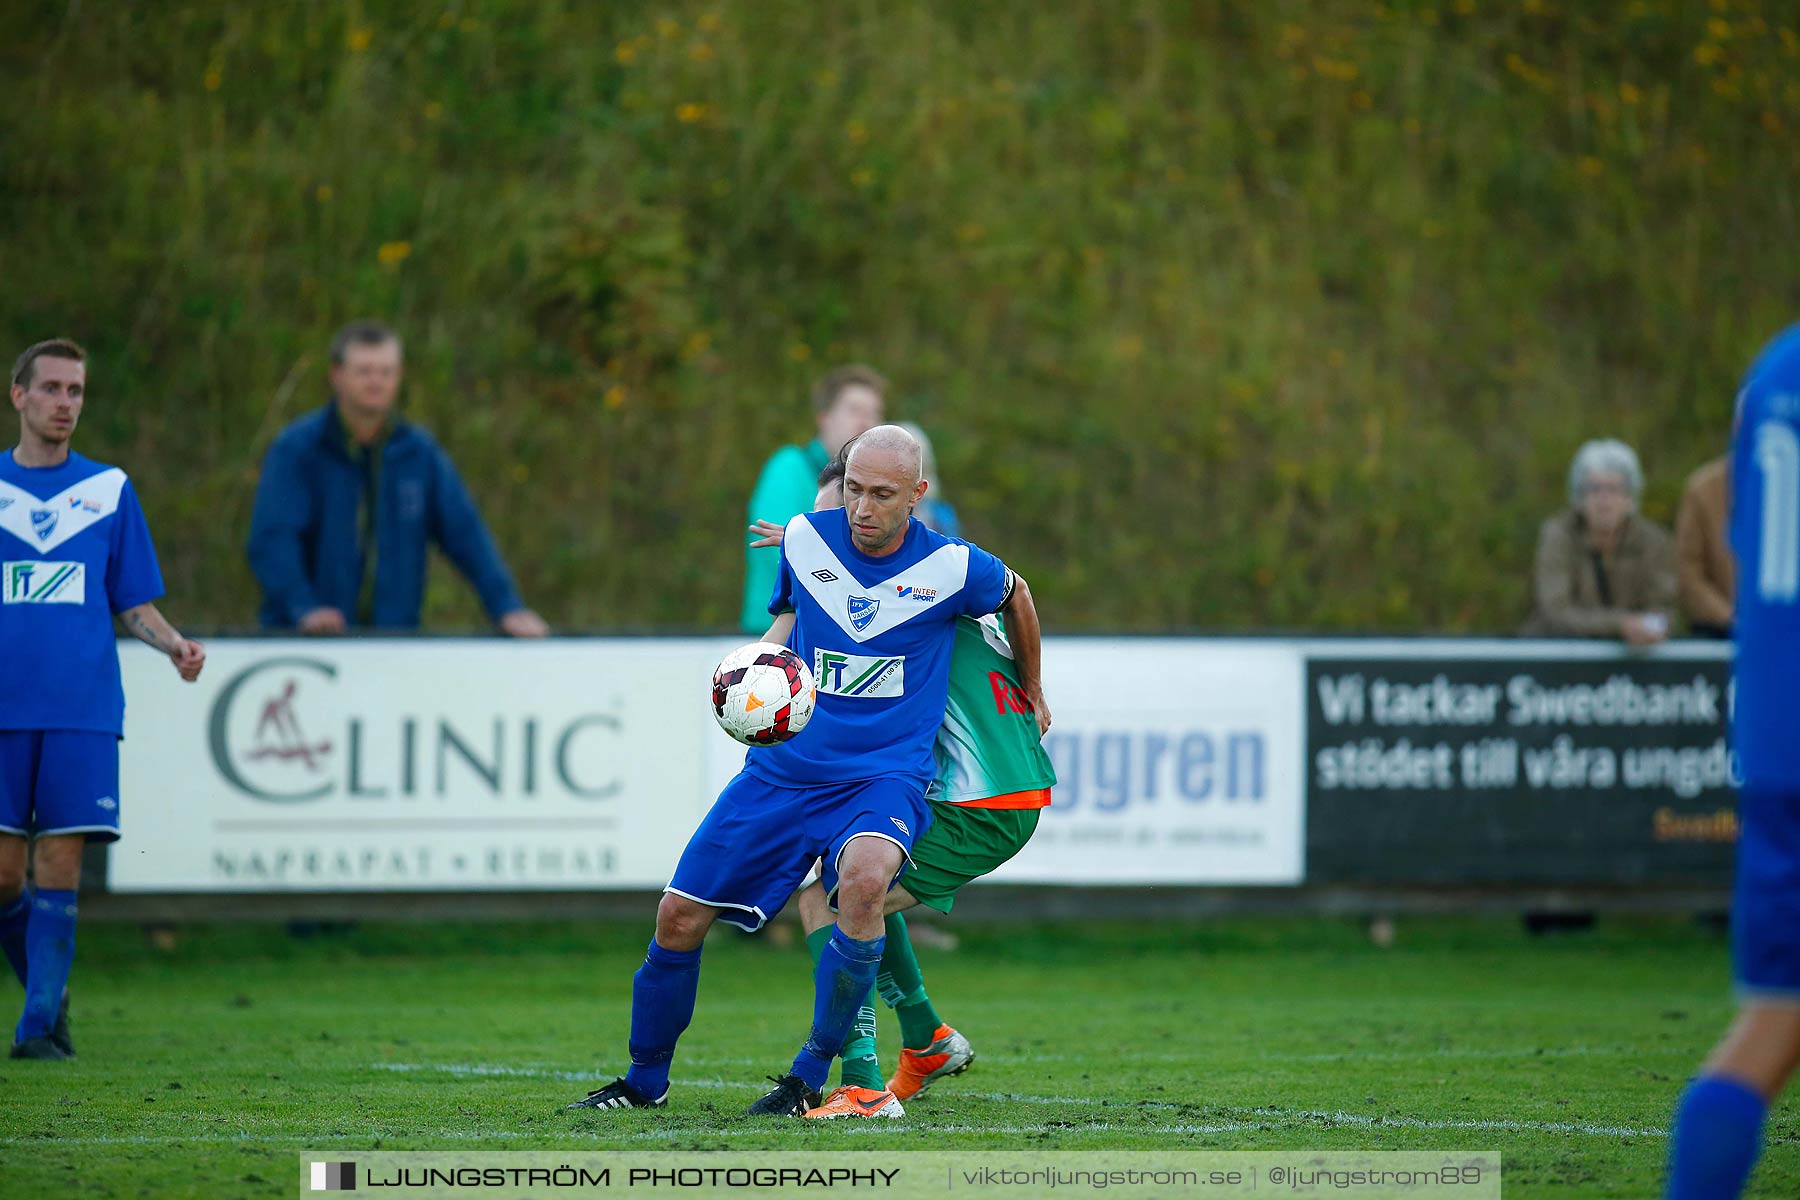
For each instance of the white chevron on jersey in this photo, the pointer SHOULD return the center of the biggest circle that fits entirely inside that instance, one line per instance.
(68, 512)
(819, 570)
(994, 634)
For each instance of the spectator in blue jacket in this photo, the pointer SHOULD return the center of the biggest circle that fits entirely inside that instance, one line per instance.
(349, 498)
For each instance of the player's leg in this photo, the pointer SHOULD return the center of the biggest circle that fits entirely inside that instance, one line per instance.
(49, 941)
(663, 991)
(1719, 1118)
(843, 983)
(739, 866)
(15, 903)
(1761, 1049)
(963, 844)
(859, 1064)
(875, 824)
(75, 801)
(18, 770)
(900, 982)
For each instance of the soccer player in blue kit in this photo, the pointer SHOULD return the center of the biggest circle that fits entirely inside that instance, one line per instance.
(875, 597)
(77, 552)
(1719, 1119)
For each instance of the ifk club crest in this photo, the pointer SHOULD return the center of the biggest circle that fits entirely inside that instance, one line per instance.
(862, 611)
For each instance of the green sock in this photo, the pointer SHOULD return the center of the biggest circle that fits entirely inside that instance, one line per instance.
(815, 941)
(860, 1066)
(902, 988)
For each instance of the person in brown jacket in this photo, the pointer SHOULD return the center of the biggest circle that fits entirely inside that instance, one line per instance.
(1603, 569)
(1705, 567)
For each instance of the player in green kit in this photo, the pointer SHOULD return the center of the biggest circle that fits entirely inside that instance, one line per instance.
(993, 781)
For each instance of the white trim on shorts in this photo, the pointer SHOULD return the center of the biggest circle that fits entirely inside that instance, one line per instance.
(838, 866)
(761, 916)
(75, 829)
(14, 832)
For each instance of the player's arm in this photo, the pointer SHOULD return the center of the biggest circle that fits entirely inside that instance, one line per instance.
(784, 487)
(778, 632)
(1027, 646)
(153, 629)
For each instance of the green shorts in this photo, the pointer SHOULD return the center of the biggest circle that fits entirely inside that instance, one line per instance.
(964, 844)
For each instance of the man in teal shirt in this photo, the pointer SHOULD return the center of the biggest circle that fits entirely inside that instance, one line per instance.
(847, 402)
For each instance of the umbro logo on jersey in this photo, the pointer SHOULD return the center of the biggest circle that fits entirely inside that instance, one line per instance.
(861, 610)
(35, 581)
(902, 825)
(43, 523)
(824, 576)
(5, 503)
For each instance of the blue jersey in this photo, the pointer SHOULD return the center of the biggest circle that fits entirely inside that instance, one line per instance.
(877, 633)
(1765, 534)
(77, 551)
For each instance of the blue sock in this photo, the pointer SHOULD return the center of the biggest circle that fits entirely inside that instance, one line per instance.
(49, 953)
(1718, 1133)
(841, 983)
(662, 1004)
(13, 919)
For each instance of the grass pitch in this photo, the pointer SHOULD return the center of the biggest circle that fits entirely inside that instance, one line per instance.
(204, 1069)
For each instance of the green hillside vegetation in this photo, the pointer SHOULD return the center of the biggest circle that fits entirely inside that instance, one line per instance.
(1222, 315)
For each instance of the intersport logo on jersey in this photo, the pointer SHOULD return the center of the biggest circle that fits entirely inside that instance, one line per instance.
(288, 730)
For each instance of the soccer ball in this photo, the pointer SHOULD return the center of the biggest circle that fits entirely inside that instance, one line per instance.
(763, 694)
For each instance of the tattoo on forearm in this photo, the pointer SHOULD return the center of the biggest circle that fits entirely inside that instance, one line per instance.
(144, 631)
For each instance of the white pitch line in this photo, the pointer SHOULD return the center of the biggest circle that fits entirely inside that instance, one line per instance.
(857, 1128)
(1298, 1118)
(483, 1069)
(1405, 1055)
(1363, 1120)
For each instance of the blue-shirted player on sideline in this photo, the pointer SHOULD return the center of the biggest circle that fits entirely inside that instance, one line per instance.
(77, 551)
(875, 597)
(1719, 1120)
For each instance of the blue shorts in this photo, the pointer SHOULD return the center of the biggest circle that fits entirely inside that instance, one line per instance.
(758, 841)
(59, 781)
(1765, 902)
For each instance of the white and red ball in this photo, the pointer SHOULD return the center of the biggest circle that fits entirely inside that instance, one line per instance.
(763, 694)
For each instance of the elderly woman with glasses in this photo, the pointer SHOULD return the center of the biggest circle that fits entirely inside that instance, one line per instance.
(1604, 570)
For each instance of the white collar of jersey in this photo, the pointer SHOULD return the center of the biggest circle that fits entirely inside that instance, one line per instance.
(44, 525)
(819, 570)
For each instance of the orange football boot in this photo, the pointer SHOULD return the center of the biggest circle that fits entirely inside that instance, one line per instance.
(857, 1102)
(949, 1054)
